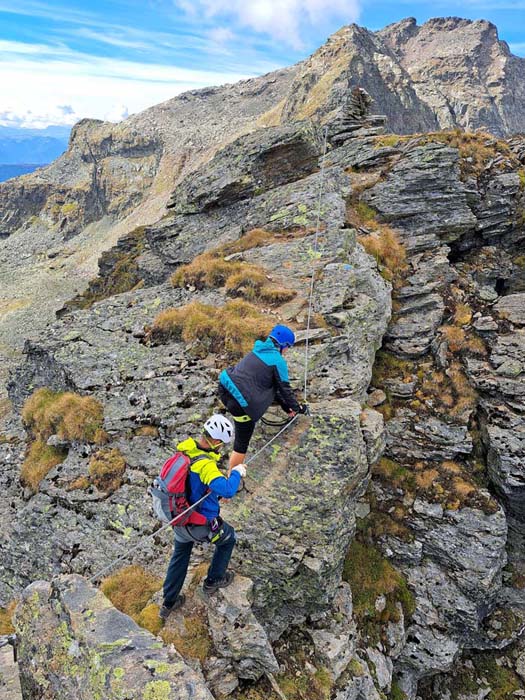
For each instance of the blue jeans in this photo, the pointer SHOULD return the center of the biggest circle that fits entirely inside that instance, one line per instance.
(180, 559)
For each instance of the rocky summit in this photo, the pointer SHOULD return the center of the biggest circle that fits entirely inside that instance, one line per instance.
(381, 538)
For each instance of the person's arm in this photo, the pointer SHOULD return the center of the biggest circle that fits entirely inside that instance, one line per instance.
(283, 391)
(219, 484)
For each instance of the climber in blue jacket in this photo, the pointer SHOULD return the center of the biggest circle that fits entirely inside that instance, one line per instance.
(254, 383)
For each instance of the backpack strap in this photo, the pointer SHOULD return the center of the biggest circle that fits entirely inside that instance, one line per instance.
(199, 457)
(193, 461)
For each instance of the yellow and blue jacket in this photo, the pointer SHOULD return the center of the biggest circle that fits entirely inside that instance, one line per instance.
(204, 475)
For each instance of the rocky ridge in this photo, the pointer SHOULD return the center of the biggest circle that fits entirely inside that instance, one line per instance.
(381, 540)
(57, 221)
(444, 408)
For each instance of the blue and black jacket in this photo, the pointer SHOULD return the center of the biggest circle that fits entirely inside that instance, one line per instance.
(256, 381)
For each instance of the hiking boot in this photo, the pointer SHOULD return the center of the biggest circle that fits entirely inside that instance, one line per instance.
(166, 610)
(210, 587)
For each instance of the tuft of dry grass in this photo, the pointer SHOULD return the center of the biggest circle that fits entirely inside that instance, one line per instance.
(476, 149)
(426, 478)
(476, 345)
(106, 469)
(253, 285)
(195, 643)
(455, 337)
(147, 431)
(256, 238)
(465, 395)
(206, 271)
(68, 415)
(130, 589)
(39, 461)
(462, 315)
(81, 483)
(232, 328)
(451, 467)
(6, 618)
(240, 279)
(149, 618)
(384, 245)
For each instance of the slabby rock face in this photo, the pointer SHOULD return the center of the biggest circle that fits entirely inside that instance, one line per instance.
(74, 645)
(296, 531)
(295, 522)
(56, 222)
(305, 487)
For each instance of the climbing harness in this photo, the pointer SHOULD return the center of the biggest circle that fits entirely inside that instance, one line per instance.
(287, 423)
(275, 423)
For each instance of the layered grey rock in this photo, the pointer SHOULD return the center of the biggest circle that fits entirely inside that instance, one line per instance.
(236, 632)
(74, 644)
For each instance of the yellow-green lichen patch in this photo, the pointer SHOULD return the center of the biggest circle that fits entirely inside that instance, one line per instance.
(157, 690)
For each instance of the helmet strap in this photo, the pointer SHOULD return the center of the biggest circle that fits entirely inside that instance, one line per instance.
(212, 447)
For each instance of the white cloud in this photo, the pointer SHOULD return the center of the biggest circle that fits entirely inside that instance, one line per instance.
(287, 20)
(221, 35)
(118, 39)
(61, 86)
(117, 113)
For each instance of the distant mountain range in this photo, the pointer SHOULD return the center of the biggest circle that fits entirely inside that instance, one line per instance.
(23, 150)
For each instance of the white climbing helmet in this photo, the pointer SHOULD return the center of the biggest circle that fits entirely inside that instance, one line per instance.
(219, 428)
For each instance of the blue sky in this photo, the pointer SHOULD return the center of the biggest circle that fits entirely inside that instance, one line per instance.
(60, 62)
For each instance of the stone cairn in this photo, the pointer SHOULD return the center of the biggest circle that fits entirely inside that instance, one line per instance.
(354, 118)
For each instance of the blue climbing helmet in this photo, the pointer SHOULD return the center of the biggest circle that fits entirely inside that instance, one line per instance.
(283, 336)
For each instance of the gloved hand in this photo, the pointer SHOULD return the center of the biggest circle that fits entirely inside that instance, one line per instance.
(305, 409)
(241, 468)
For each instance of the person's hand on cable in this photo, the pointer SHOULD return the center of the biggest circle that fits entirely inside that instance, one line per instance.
(303, 408)
(241, 468)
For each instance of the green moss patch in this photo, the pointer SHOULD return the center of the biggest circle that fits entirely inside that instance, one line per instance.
(371, 576)
(121, 273)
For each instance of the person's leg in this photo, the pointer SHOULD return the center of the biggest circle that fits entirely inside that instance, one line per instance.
(222, 555)
(243, 434)
(176, 573)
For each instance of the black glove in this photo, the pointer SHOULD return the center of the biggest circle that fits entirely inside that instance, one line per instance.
(305, 409)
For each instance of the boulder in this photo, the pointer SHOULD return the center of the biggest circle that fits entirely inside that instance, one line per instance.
(236, 633)
(74, 645)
